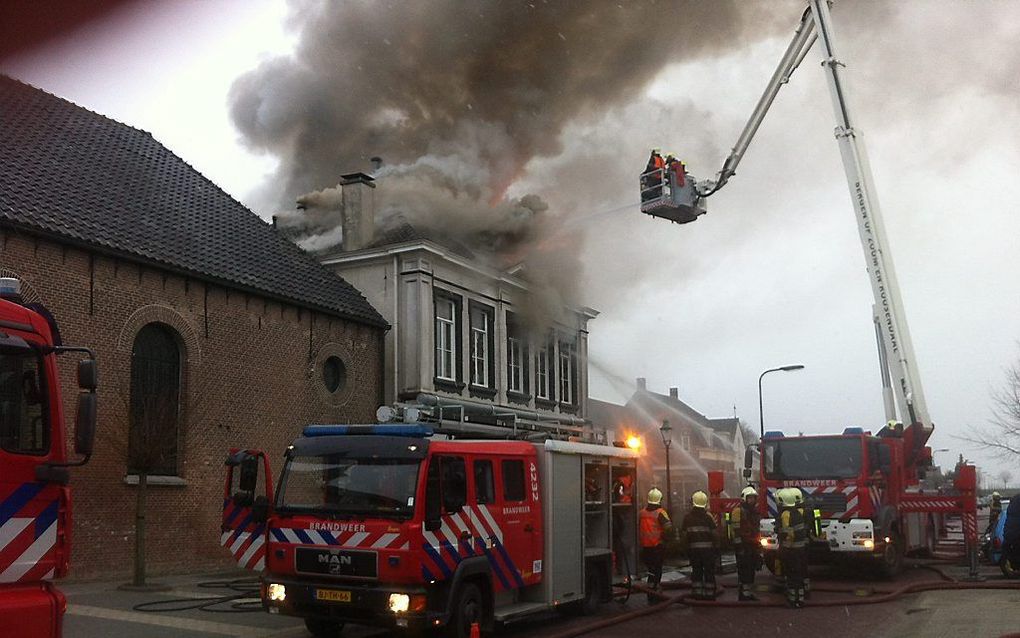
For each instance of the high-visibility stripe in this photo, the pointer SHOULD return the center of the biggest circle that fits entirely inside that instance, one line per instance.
(385, 540)
(437, 559)
(516, 573)
(28, 559)
(10, 530)
(494, 564)
(18, 499)
(496, 530)
(355, 541)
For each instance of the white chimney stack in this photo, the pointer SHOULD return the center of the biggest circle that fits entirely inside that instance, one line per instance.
(358, 201)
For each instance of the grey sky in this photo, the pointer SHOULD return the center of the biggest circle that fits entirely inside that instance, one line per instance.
(774, 273)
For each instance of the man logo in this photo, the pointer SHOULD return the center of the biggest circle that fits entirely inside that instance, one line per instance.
(335, 562)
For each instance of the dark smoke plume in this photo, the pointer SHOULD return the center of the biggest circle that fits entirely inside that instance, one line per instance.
(459, 97)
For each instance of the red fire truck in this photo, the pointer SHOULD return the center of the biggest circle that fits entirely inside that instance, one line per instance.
(864, 489)
(401, 525)
(35, 500)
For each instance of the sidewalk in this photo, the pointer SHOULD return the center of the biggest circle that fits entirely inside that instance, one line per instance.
(100, 610)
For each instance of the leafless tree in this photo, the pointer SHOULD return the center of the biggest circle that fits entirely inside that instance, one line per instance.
(1001, 435)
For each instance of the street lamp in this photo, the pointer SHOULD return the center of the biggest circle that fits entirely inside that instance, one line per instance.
(667, 439)
(761, 412)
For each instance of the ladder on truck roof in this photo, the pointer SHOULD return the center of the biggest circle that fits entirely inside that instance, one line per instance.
(463, 418)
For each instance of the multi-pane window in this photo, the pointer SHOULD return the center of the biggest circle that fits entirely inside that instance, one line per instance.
(516, 357)
(481, 351)
(566, 375)
(446, 338)
(543, 375)
(23, 416)
(685, 441)
(155, 401)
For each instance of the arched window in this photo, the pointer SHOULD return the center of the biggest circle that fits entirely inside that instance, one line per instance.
(155, 401)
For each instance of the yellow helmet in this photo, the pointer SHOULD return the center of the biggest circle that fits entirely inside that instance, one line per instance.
(654, 496)
(699, 499)
(748, 491)
(995, 495)
(798, 495)
(787, 498)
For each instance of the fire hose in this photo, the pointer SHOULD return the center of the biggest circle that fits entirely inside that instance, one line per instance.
(241, 601)
(945, 582)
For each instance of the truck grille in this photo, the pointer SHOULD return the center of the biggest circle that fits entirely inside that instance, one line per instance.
(335, 562)
(833, 502)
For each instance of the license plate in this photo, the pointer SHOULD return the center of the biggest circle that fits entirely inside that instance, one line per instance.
(333, 595)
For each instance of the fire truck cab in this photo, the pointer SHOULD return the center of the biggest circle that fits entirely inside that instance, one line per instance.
(861, 487)
(35, 500)
(398, 526)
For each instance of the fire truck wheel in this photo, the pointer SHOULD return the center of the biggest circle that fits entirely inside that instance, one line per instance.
(469, 610)
(321, 628)
(892, 557)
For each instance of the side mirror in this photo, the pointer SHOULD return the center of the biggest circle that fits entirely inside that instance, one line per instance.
(85, 424)
(747, 473)
(260, 509)
(748, 460)
(88, 375)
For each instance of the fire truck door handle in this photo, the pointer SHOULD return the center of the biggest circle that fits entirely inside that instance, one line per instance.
(465, 535)
(529, 528)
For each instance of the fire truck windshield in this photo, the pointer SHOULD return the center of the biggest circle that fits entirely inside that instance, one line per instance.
(23, 414)
(813, 458)
(335, 484)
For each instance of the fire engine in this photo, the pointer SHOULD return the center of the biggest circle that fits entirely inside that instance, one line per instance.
(864, 486)
(35, 500)
(429, 522)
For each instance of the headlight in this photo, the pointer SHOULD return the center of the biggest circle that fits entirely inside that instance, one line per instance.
(276, 592)
(764, 542)
(399, 603)
(869, 544)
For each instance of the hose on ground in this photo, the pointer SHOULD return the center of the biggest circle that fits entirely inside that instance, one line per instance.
(240, 602)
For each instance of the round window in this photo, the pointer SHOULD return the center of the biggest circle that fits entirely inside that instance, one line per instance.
(334, 374)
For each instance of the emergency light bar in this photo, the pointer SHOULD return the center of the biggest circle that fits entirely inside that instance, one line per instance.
(852, 431)
(773, 434)
(412, 429)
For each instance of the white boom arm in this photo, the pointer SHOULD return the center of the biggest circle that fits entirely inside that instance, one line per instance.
(901, 386)
(906, 385)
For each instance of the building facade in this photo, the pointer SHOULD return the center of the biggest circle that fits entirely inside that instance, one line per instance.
(458, 336)
(211, 331)
(698, 444)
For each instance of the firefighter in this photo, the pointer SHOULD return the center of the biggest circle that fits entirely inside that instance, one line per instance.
(994, 512)
(744, 526)
(812, 524)
(779, 577)
(654, 528)
(793, 548)
(652, 182)
(698, 539)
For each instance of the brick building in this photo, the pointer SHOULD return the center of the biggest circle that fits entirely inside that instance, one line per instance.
(186, 296)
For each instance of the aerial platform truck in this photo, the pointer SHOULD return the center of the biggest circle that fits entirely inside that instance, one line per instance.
(863, 485)
(35, 497)
(444, 514)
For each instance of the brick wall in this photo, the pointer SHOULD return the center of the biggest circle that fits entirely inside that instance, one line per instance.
(251, 378)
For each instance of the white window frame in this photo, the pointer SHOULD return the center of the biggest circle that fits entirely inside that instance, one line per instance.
(480, 354)
(566, 376)
(446, 340)
(542, 374)
(515, 364)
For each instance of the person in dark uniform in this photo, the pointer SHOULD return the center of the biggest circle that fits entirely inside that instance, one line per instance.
(994, 511)
(793, 548)
(745, 525)
(699, 540)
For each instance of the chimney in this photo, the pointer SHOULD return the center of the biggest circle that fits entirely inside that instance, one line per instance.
(641, 383)
(358, 202)
(674, 393)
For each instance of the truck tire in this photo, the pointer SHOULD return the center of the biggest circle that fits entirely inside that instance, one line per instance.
(892, 557)
(321, 628)
(468, 609)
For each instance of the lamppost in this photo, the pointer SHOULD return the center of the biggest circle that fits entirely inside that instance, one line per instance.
(667, 439)
(761, 411)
